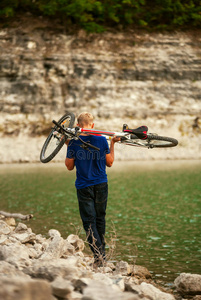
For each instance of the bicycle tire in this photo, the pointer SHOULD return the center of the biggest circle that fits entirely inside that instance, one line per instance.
(53, 143)
(162, 141)
(154, 141)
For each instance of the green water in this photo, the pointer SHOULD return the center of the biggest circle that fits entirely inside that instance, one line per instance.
(155, 208)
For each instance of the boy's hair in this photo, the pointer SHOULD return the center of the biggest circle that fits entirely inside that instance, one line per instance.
(85, 118)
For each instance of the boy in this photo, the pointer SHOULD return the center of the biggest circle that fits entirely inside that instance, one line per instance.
(91, 182)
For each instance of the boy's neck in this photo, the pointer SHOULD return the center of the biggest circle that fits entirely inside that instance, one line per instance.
(89, 126)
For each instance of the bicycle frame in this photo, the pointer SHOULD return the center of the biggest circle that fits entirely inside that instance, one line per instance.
(77, 131)
(109, 134)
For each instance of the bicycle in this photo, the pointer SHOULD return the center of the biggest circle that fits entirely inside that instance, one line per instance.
(63, 130)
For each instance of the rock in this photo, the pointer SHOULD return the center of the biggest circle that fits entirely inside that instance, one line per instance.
(123, 268)
(10, 221)
(51, 269)
(105, 269)
(52, 233)
(69, 249)
(79, 253)
(111, 266)
(148, 291)
(103, 278)
(101, 291)
(81, 283)
(118, 283)
(7, 271)
(55, 248)
(188, 284)
(16, 254)
(4, 228)
(24, 237)
(76, 242)
(75, 296)
(140, 271)
(61, 287)
(21, 227)
(24, 289)
(40, 239)
(3, 239)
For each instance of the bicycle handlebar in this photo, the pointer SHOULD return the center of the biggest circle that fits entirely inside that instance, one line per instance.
(88, 144)
(85, 144)
(63, 129)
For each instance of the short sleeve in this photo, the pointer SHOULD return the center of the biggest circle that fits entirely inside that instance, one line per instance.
(70, 152)
(107, 150)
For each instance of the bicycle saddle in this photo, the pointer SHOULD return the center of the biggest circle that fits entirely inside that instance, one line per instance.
(140, 132)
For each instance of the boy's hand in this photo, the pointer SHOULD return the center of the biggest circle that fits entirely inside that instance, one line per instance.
(116, 139)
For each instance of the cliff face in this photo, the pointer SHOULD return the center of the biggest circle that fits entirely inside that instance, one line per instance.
(129, 77)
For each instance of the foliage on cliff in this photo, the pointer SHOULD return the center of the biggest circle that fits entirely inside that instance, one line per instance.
(96, 16)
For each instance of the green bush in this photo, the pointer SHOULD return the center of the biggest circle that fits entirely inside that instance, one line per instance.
(95, 16)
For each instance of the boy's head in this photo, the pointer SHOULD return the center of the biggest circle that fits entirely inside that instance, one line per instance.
(85, 119)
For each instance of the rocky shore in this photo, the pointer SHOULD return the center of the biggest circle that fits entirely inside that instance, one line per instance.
(36, 267)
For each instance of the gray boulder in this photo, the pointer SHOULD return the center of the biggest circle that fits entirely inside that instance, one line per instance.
(188, 284)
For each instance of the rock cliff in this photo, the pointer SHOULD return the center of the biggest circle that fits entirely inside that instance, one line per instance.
(127, 77)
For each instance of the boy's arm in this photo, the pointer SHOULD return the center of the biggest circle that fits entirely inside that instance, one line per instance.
(70, 163)
(110, 156)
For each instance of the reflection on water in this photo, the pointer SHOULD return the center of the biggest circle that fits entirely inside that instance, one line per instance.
(155, 208)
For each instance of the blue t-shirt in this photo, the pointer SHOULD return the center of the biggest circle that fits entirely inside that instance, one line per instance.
(90, 164)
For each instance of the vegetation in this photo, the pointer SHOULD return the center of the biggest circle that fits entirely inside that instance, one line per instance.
(96, 16)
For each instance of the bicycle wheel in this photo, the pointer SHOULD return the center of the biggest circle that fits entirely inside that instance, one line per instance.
(156, 141)
(152, 141)
(55, 139)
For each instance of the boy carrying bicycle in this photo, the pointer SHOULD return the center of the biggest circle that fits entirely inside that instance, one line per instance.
(91, 182)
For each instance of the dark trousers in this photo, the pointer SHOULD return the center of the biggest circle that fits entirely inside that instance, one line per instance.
(92, 205)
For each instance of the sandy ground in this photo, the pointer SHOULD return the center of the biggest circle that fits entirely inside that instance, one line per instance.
(24, 149)
(117, 166)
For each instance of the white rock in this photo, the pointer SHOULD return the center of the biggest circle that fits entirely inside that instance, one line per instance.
(61, 287)
(123, 268)
(21, 227)
(101, 291)
(14, 253)
(4, 228)
(24, 288)
(76, 242)
(148, 291)
(53, 232)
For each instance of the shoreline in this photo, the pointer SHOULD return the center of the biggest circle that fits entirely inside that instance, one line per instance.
(170, 163)
(30, 254)
(56, 268)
